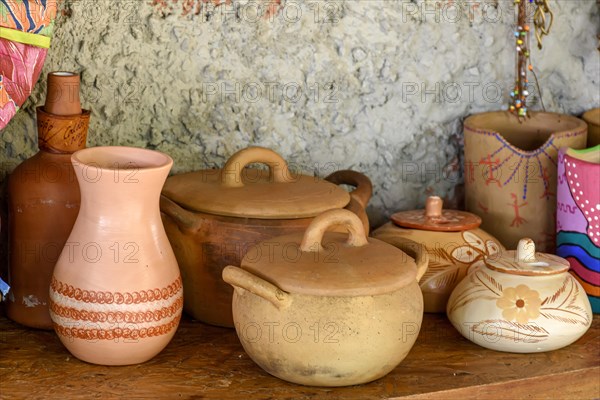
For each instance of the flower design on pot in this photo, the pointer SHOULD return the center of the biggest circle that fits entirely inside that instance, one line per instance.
(520, 304)
(474, 249)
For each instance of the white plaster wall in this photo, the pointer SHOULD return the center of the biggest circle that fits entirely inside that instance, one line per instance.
(395, 79)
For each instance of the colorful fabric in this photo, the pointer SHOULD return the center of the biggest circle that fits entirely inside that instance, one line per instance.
(25, 37)
(25, 29)
(33, 16)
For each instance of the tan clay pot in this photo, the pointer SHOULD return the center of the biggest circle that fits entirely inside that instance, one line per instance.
(116, 294)
(592, 117)
(328, 308)
(511, 172)
(521, 302)
(452, 240)
(43, 200)
(213, 217)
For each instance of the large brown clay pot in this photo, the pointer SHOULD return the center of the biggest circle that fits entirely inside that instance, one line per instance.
(341, 309)
(43, 201)
(214, 217)
(511, 172)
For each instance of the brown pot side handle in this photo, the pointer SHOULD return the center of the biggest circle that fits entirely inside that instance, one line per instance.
(313, 236)
(363, 185)
(232, 171)
(415, 250)
(241, 279)
(187, 221)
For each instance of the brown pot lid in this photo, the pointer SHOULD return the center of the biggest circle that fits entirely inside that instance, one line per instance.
(525, 261)
(254, 193)
(435, 218)
(325, 263)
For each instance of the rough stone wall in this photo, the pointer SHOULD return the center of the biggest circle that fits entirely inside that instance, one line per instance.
(376, 86)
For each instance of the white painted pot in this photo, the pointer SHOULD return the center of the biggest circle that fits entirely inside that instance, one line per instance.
(521, 302)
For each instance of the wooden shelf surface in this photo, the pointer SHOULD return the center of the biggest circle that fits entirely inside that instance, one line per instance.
(209, 362)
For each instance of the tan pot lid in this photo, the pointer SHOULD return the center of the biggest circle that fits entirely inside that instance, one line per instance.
(525, 261)
(435, 218)
(325, 263)
(237, 191)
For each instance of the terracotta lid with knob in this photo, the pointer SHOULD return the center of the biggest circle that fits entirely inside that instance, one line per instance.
(324, 263)
(238, 191)
(435, 218)
(525, 261)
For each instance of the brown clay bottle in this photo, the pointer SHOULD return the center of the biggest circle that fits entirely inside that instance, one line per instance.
(43, 201)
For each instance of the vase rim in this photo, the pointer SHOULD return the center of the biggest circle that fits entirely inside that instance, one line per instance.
(112, 158)
(591, 155)
(480, 123)
(578, 123)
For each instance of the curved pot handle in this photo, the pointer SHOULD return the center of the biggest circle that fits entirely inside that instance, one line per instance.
(241, 279)
(232, 171)
(364, 188)
(415, 250)
(311, 242)
(187, 221)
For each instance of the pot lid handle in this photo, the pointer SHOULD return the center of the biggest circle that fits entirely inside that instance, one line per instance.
(311, 242)
(232, 171)
(525, 261)
(433, 207)
(525, 251)
(435, 218)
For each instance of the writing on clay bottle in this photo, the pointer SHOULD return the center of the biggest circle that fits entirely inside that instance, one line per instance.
(43, 201)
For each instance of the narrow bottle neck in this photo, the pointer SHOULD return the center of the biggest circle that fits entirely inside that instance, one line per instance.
(122, 208)
(126, 195)
(62, 134)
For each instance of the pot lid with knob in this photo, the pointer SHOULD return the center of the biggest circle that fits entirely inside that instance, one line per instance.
(237, 191)
(325, 263)
(435, 218)
(526, 261)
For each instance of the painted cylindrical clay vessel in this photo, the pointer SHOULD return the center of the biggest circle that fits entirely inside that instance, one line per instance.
(511, 169)
(578, 217)
(453, 241)
(116, 295)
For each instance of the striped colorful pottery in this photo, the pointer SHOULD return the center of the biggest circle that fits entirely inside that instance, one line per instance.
(25, 30)
(578, 217)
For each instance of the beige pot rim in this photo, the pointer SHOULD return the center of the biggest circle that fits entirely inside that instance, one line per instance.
(547, 126)
(592, 116)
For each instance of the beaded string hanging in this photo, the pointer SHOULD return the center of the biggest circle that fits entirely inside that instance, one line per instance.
(542, 22)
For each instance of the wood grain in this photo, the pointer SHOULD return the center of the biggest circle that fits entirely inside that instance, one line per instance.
(208, 362)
